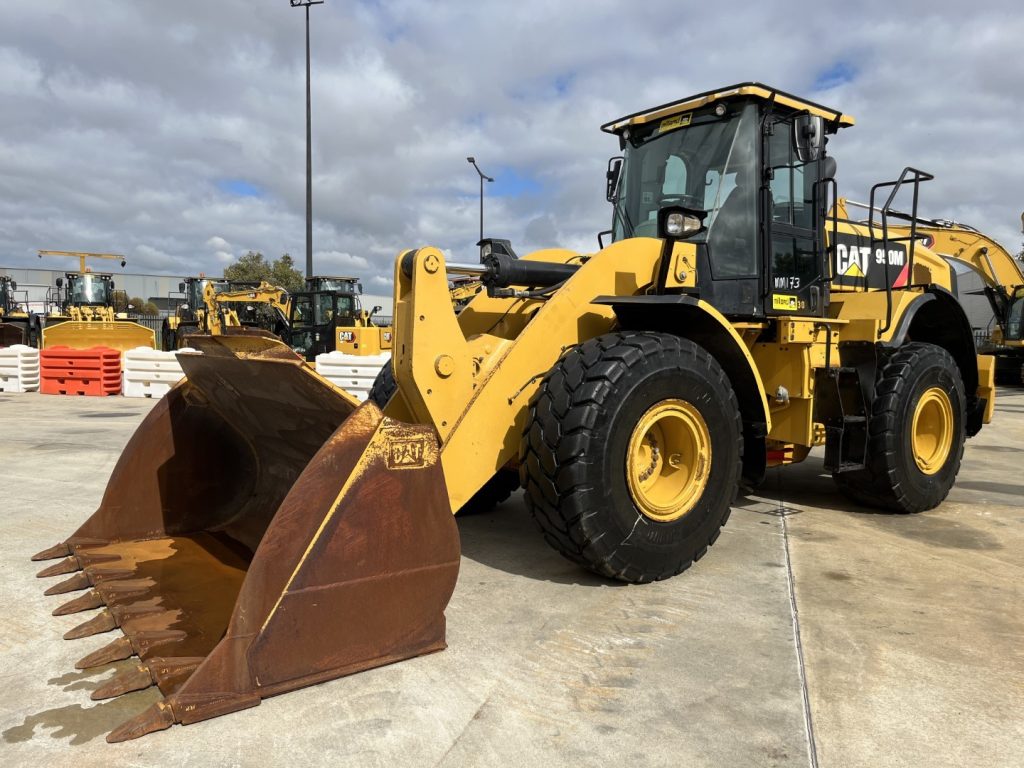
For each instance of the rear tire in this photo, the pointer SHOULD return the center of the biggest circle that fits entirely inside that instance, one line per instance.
(617, 404)
(910, 466)
(494, 491)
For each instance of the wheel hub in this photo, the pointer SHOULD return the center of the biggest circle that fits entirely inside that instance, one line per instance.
(932, 430)
(668, 460)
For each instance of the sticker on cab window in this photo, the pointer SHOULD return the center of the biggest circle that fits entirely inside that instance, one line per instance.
(785, 302)
(676, 121)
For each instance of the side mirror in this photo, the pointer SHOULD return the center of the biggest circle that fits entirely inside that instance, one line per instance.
(612, 176)
(181, 287)
(60, 282)
(14, 286)
(112, 286)
(808, 137)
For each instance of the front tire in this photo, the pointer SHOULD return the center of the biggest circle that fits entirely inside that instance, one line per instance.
(631, 456)
(915, 433)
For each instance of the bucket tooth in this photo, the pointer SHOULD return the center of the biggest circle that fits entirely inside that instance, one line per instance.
(51, 553)
(156, 718)
(109, 574)
(114, 651)
(67, 565)
(88, 601)
(79, 581)
(147, 642)
(102, 622)
(88, 557)
(135, 679)
(125, 591)
(171, 673)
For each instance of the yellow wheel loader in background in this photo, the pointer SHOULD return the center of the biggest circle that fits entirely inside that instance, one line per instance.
(18, 324)
(80, 312)
(329, 317)
(736, 320)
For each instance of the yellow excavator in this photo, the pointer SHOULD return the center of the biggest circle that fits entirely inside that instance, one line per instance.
(217, 307)
(81, 312)
(973, 252)
(18, 324)
(736, 320)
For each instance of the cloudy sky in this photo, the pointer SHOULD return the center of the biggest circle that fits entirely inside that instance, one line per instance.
(173, 132)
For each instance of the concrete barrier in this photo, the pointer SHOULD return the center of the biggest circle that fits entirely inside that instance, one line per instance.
(150, 373)
(353, 373)
(19, 369)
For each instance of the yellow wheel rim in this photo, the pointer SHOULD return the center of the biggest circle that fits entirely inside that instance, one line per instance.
(668, 460)
(932, 430)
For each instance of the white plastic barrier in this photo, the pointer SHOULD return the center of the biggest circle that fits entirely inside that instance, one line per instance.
(353, 373)
(149, 372)
(19, 369)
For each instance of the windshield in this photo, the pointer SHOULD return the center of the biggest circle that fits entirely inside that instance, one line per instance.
(709, 165)
(319, 308)
(89, 289)
(1013, 320)
(337, 284)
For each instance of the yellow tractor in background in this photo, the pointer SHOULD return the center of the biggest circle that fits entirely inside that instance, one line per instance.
(80, 312)
(329, 317)
(18, 324)
(736, 320)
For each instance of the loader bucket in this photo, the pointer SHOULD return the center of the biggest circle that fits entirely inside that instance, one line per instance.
(121, 335)
(11, 334)
(260, 533)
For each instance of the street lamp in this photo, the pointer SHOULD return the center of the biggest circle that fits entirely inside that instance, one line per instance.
(309, 144)
(472, 161)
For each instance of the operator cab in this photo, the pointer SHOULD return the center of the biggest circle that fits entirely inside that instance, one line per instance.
(330, 303)
(87, 289)
(746, 166)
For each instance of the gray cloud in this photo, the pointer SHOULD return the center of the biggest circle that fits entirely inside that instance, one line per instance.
(131, 127)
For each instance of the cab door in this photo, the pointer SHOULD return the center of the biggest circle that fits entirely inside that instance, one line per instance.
(796, 280)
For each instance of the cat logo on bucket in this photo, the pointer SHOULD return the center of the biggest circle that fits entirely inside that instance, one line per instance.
(346, 336)
(407, 454)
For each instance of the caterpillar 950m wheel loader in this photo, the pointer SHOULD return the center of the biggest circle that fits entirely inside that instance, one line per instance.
(734, 322)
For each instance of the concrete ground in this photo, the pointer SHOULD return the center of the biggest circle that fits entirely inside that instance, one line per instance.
(814, 633)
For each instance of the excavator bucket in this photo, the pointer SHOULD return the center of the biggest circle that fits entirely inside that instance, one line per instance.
(261, 532)
(121, 335)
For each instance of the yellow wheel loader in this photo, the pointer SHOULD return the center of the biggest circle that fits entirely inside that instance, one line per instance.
(18, 324)
(80, 310)
(329, 316)
(736, 320)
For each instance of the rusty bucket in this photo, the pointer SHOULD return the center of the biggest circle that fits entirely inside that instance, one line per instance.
(261, 532)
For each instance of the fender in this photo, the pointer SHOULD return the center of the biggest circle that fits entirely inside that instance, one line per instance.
(936, 317)
(698, 321)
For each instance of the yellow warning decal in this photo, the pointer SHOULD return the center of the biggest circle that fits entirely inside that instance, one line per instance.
(676, 121)
(785, 302)
(853, 271)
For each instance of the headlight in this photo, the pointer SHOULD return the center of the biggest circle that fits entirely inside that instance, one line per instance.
(681, 224)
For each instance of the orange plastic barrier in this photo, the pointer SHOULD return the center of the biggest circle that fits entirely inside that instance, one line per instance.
(95, 371)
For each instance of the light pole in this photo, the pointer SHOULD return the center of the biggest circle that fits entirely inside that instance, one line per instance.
(309, 144)
(472, 161)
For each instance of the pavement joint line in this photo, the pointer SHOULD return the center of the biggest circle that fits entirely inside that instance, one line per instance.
(812, 748)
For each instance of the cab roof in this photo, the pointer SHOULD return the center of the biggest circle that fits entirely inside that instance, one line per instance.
(753, 90)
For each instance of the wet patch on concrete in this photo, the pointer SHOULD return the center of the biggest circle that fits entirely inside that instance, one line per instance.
(997, 448)
(78, 724)
(940, 533)
(987, 486)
